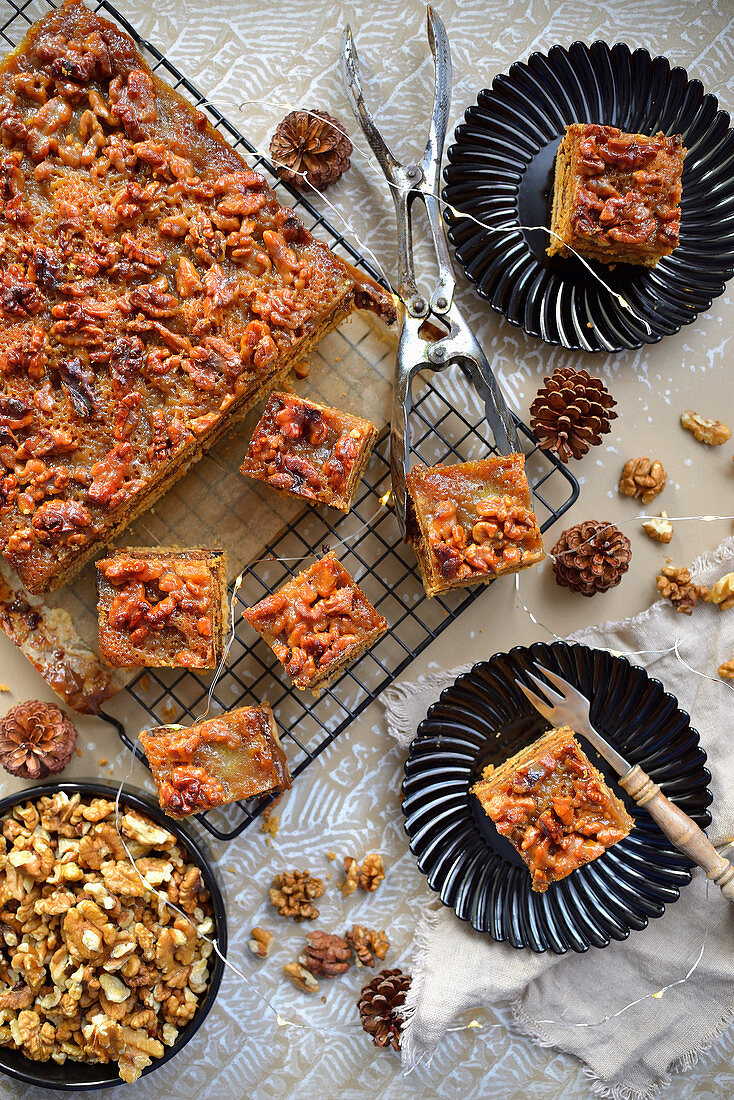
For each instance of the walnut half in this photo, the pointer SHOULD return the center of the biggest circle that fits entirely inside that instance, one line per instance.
(642, 478)
(712, 432)
(726, 671)
(300, 977)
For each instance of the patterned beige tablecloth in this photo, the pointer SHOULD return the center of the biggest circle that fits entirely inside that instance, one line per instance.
(254, 60)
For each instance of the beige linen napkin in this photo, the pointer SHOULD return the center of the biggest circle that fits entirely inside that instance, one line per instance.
(630, 1054)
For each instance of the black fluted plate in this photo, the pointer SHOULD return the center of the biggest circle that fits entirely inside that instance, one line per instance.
(500, 170)
(483, 718)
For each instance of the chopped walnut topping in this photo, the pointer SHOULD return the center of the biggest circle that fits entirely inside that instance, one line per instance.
(660, 529)
(712, 432)
(293, 892)
(726, 671)
(642, 478)
(674, 583)
(722, 593)
(118, 977)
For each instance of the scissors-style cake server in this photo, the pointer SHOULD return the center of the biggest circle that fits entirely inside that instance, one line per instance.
(450, 339)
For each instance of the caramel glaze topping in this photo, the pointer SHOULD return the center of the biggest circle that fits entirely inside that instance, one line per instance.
(630, 188)
(148, 280)
(302, 448)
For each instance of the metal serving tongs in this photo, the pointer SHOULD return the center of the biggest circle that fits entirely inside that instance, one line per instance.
(459, 345)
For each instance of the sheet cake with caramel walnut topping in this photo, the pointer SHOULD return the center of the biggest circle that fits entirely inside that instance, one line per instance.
(616, 196)
(471, 522)
(234, 756)
(553, 806)
(152, 289)
(162, 607)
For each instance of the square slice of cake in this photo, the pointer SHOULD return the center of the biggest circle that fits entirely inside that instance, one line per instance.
(553, 806)
(309, 450)
(233, 756)
(471, 522)
(318, 622)
(616, 196)
(152, 290)
(162, 607)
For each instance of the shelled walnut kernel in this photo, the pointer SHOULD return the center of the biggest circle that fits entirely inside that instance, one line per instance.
(712, 432)
(300, 977)
(260, 942)
(642, 478)
(722, 592)
(659, 528)
(292, 894)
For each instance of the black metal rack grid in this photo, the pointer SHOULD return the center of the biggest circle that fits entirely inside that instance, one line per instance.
(367, 539)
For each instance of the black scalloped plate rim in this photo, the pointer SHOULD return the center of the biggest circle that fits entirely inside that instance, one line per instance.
(456, 227)
(569, 924)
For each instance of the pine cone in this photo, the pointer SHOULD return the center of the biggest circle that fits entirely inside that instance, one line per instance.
(313, 143)
(591, 557)
(36, 740)
(571, 412)
(326, 955)
(379, 1006)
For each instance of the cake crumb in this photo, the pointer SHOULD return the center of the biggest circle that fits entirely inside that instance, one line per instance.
(270, 824)
(102, 761)
(4, 687)
(331, 856)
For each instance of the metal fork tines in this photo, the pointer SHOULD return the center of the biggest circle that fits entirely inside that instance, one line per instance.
(416, 352)
(566, 706)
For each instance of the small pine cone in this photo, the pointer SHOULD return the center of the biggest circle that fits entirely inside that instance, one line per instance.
(571, 412)
(36, 740)
(379, 1007)
(313, 144)
(591, 557)
(326, 955)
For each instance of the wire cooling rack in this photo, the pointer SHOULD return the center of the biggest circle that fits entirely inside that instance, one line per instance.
(368, 544)
(367, 540)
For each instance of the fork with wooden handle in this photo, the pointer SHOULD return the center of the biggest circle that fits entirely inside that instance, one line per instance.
(568, 707)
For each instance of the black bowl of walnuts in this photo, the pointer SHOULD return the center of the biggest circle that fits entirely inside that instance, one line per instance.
(101, 981)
